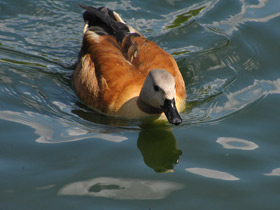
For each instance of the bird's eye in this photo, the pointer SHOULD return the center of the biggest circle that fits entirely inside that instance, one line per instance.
(156, 88)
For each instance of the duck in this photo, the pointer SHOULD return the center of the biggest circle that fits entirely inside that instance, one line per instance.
(119, 72)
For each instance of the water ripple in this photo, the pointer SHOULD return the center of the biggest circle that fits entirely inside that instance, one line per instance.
(248, 12)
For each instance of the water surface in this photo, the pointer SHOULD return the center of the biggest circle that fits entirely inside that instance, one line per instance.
(56, 153)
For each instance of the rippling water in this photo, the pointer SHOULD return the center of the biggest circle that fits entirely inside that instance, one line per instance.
(56, 153)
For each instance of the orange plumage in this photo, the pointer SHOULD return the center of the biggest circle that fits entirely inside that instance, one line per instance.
(110, 72)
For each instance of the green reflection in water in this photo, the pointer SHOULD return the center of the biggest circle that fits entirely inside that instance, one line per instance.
(181, 52)
(159, 148)
(182, 18)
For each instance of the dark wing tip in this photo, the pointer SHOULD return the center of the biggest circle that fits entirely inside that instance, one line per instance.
(105, 18)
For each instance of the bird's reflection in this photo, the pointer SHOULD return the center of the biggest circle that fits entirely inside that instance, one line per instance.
(155, 141)
(159, 149)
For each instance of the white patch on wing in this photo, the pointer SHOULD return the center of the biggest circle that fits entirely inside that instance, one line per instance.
(118, 18)
(132, 30)
(85, 28)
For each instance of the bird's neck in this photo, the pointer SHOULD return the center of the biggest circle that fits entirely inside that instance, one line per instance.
(147, 108)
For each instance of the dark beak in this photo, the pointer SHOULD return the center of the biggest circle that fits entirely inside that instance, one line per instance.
(171, 112)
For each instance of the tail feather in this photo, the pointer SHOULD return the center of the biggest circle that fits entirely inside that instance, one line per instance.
(105, 18)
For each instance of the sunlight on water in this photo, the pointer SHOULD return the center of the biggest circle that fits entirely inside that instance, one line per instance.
(274, 172)
(50, 133)
(118, 188)
(214, 174)
(262, 11)
(240, 99)
(235, 143)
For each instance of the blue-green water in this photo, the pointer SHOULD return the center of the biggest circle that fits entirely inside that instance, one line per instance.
(55, 153)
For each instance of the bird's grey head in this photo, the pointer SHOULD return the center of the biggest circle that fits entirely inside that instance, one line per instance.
(159, 94)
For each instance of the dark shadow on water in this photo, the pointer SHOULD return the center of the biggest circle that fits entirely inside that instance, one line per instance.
(99, 118)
